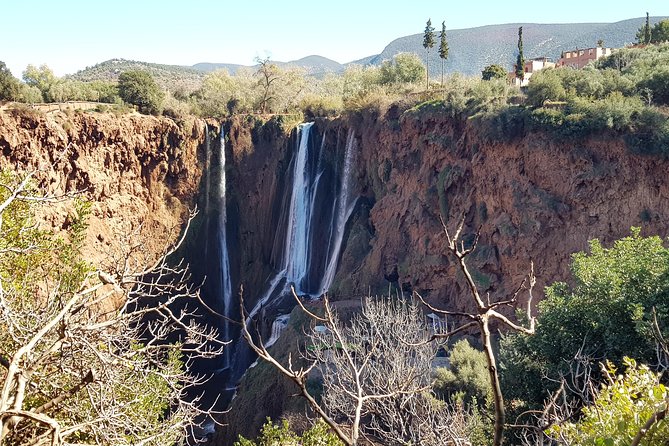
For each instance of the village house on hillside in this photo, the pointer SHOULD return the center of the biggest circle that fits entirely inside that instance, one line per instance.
(531, 67)
(574, 58)
(580, 58)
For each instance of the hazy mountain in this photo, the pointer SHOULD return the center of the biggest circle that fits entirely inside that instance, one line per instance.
(313, 65)
(472, 49)
(208, 67)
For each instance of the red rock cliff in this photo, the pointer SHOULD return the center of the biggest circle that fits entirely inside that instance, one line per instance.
(138, 171)
(535, 198)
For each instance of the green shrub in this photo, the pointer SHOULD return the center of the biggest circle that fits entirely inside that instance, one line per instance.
(546, 85)
(281, 435)
(466, 380)
(620, 410)
(493, 71)
(605, 314)
(657, 84)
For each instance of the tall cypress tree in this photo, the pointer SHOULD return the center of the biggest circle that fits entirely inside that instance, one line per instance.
(520, 61)
(443, 50)
(428, 42)
(646, 36)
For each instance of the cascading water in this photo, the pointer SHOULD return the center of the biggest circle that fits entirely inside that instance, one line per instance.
(316, 215)
(225, 279)
(299, 214)
(295, 254)
(343, 208)
(207, 181)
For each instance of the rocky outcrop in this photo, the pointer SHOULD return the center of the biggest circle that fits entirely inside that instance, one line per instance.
(140, 173)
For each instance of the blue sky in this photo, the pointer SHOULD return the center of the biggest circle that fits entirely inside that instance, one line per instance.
(70, 35)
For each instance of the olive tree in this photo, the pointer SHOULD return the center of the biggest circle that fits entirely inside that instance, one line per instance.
(404, 68)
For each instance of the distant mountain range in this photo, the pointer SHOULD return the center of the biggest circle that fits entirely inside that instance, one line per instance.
(471, 49)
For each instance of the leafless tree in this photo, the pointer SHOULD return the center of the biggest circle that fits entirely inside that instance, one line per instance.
(376, 374)
(268, 74)
(91, 356)
(486, 312)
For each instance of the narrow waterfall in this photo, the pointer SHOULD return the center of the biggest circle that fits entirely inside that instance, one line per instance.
(207, 180)
(299, 215)
(225, 279)
(343, 208)
(294, 265)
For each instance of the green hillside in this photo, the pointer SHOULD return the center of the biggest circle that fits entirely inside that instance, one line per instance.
(170, 77)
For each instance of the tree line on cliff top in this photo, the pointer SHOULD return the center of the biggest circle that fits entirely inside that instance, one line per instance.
(627, 93)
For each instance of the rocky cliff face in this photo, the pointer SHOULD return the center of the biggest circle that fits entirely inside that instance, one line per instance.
(140, 173)
(535, 198)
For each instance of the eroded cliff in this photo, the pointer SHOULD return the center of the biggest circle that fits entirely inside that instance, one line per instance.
(140, 173)
(536, 198)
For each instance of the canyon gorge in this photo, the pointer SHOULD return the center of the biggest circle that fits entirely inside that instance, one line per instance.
(348, 205)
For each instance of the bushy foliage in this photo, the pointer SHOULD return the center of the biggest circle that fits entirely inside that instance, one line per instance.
(10, 87)
(139, 88)
(43, 78)
(616, 94)
(493, 71)
(404, 68)
(657, 33)
(30, 95)
(605, 315)
(622, 407)
(466, 379)
(281, 434)
(546, 85)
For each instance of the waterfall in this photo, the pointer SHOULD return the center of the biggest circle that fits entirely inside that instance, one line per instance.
(278, 326)
(343, 208)
(225, 280)
(207, 180)
(316, 213)
(296, 244)
(299, 214)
